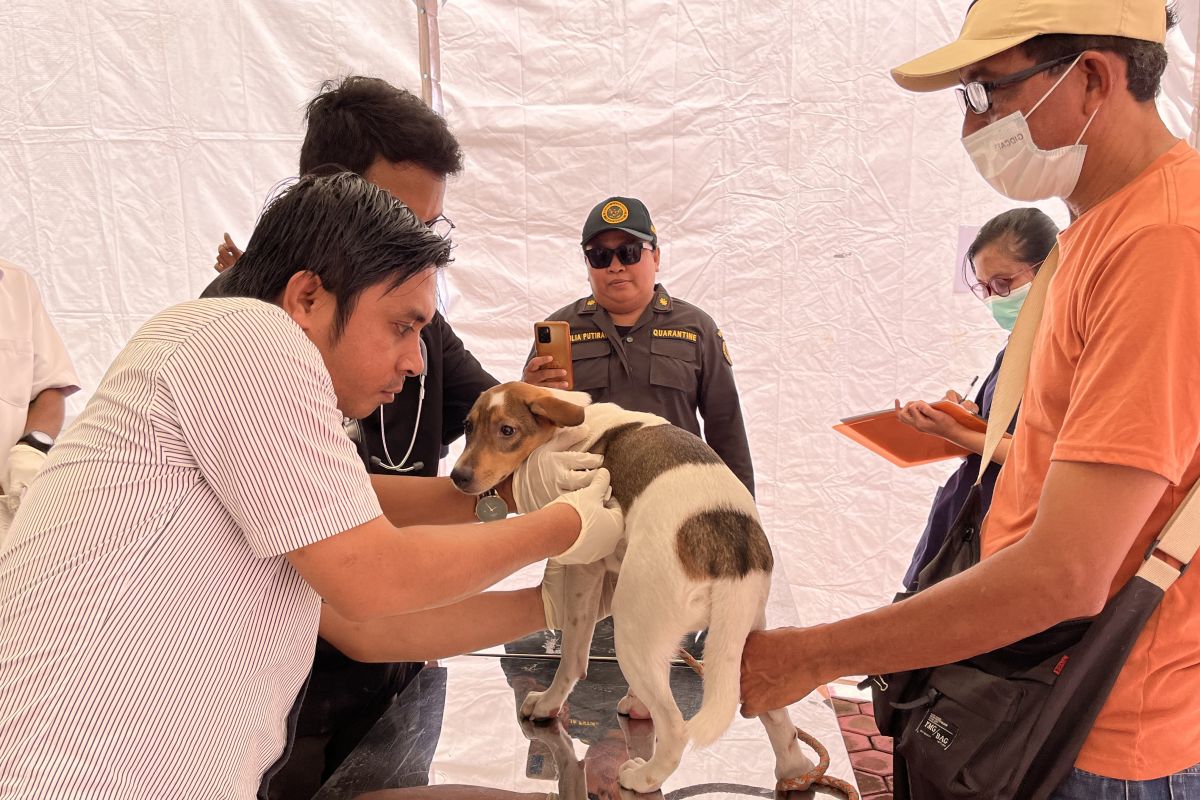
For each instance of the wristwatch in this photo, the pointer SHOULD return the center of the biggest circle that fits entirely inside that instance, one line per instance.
(38, 441)
(491, 506)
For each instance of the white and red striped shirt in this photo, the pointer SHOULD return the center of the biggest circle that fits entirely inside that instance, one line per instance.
(152, 635)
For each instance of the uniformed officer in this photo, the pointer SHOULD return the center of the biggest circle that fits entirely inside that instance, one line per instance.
(634, 344)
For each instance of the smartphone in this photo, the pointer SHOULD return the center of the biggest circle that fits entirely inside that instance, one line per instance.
(554, 339)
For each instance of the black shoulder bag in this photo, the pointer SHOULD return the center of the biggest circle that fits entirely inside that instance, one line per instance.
(1009, 724)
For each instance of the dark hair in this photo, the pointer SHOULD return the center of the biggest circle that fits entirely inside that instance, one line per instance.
(350, 233)
(1145, 61)
(359, 120)
(1026, 234)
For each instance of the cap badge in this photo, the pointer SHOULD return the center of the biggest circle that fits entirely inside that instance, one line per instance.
(614, 213)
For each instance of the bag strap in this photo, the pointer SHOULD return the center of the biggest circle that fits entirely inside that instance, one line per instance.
(1180, 537)
(1010, 383)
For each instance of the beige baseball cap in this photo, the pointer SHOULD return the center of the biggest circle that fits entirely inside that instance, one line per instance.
(993, 26)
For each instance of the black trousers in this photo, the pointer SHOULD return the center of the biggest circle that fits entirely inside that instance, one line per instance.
(344, 699)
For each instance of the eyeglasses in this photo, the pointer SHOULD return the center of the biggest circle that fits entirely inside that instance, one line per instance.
(441, 225)
(1001, 285)
(628, 254)
(977, 95)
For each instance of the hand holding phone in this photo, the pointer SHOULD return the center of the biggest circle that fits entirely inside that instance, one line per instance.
(552, 348)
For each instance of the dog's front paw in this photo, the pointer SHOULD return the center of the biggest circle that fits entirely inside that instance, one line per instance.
(633, 708)
(538, 705)
(638, 775)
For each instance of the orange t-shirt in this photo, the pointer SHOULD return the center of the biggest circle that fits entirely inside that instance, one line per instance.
(1115, 379)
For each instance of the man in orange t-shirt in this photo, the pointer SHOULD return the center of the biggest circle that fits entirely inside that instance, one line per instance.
(1059, 98)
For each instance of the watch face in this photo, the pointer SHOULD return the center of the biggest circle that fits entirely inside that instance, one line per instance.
(491, 508)
(43, 438)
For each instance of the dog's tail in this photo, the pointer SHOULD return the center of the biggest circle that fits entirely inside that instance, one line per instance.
(736, 608)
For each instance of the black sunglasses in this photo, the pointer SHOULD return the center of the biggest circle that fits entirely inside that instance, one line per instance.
(628, 254)
(977, 95)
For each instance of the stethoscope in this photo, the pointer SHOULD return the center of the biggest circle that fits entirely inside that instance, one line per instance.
(390, 465)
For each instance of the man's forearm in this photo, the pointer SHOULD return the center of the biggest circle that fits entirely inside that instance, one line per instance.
(481, 621)
(46, 412)
(409, 500)
(995, 603)
(402, 571)
(1000, 601)
(1088, 518)
(464, 560)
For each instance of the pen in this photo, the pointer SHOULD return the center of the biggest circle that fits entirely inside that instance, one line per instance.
(962, 397)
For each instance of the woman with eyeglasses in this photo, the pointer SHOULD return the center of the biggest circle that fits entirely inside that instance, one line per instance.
(999, 267)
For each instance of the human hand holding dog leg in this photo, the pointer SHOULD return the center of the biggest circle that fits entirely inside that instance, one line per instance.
(771, 676)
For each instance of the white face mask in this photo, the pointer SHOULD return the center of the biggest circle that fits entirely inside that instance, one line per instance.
(1008, 159)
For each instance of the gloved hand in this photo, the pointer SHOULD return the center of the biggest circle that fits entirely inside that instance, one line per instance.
(553, 469)
(601, 523)
(555, 588)
(23, 463)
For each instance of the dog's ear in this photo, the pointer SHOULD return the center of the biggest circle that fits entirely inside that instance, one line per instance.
(560, 413)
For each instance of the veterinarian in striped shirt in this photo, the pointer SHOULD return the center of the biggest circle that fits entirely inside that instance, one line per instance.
(161, 586)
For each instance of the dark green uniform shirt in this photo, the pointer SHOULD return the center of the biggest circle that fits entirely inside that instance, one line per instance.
(673, 362)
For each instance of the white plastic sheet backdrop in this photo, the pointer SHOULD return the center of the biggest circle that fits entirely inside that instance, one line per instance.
(802, 199)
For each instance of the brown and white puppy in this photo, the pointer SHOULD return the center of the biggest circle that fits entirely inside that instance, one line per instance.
(694, 556)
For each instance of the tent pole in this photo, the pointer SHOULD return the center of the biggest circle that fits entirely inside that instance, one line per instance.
(429, 53)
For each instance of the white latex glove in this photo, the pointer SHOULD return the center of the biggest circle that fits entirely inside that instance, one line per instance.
(555, 588)
(554, 469)
(23, 463)
(601, 524)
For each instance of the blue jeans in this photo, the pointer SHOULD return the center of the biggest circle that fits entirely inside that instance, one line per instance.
(1082, 785)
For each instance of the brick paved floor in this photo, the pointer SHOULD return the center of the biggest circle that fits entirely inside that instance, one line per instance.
(870, 752)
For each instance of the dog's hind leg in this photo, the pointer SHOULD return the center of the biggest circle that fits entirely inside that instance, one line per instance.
(586, 582)
(644, 649)
(790, 761)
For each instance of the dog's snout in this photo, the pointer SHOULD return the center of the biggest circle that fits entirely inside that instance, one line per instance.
(462, 477)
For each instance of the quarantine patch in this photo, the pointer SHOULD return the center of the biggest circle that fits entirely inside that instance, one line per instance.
(667, 333)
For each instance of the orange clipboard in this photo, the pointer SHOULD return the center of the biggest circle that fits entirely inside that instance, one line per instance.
(882, 432)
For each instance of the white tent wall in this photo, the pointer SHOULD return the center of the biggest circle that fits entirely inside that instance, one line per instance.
(803, 200)
(132, 134)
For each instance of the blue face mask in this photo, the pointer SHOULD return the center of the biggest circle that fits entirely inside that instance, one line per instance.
(1005, 309)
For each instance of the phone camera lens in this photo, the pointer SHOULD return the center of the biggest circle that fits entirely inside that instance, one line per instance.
(544, 335)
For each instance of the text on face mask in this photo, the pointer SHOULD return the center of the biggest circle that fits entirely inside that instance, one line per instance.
(1009, 142)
